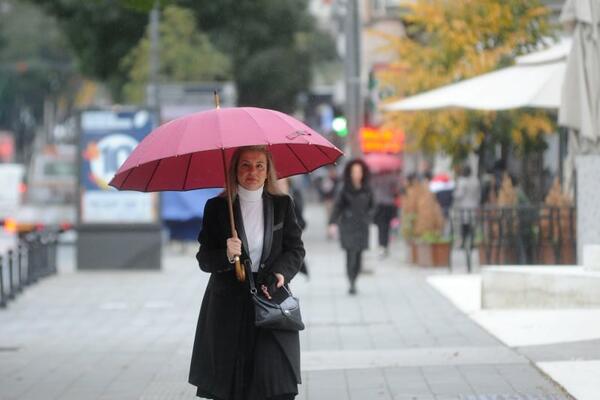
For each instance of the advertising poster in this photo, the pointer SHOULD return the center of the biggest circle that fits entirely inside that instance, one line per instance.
(107, 139)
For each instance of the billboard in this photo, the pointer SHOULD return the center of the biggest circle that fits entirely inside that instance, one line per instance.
(107, 137)
(381, 140)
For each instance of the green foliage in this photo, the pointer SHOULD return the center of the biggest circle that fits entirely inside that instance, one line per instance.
(408, 225)
(271, 43)
(433, 237)
(185, 55)
(100, 33)
(34, 64)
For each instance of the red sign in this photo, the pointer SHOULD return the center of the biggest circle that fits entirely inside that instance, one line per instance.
(7, 147)
(379, 140)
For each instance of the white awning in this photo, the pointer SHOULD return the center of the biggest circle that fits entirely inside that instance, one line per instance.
(535, 81)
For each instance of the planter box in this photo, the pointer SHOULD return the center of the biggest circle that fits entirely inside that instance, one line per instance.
(433, 254)
(411, 253)
(547, 254)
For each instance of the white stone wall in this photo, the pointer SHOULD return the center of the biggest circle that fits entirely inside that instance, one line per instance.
(588, 202)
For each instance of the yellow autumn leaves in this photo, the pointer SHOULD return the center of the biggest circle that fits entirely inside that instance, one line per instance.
(448, 41)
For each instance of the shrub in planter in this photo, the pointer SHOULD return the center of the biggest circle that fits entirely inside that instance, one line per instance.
(557, 228)
(409, 216)
(433, 250)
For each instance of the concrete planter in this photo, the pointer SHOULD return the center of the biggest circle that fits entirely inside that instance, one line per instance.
(411, 254)
(433, 254)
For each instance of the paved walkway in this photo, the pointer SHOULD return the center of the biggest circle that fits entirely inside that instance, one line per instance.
(128, 335)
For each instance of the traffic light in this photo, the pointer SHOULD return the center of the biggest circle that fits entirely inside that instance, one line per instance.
(340, 126)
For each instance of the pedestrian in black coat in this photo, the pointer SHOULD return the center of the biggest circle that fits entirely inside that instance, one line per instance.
(352, 212)
(232, 359)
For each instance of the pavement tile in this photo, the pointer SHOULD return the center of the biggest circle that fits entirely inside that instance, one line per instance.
(128, 335)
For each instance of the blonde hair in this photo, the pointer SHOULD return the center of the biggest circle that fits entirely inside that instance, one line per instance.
(270, 183)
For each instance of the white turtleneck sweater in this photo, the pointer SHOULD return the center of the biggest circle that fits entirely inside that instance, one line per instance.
(251, 204)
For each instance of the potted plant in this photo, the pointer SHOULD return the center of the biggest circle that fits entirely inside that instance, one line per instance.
(432, 248)
(409, 216)
(557, 228)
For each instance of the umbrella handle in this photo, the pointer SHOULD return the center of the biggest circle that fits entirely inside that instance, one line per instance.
(240, 273)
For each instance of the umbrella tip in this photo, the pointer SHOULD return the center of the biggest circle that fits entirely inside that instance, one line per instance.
(217, 101)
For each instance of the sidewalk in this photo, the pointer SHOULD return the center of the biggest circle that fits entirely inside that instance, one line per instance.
(564, 343)
(128, 335)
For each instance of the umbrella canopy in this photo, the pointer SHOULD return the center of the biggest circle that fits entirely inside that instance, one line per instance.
(189, 152)
(381, 162)
(193, 152)
(535, 81)
(580, 107)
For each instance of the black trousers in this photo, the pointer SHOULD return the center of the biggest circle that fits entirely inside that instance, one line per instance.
(383, 216)
(466, 235)
(353, 264)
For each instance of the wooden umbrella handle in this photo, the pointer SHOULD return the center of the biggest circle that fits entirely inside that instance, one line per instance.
(240, 273)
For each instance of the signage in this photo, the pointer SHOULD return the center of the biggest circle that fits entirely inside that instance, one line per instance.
(107, 139)
(380, 140)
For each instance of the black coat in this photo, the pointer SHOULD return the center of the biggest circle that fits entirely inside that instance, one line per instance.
(352, 211)
(216, 347)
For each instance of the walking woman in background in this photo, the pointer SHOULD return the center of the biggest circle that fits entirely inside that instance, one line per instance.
(232, 359)
(352, 212)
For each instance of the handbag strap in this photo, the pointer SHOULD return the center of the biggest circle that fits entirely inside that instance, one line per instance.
(253, 290)
(250, 277)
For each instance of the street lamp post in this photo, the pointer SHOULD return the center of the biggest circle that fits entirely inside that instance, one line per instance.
(152, 95)
(352, 74)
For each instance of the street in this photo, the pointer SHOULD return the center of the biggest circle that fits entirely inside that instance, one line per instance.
(128, 334)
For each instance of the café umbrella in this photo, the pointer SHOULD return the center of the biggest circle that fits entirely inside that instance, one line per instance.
(194, 151)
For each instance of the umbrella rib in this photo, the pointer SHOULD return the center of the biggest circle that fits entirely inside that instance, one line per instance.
(187, 170)
(296, 155)
(325, 154)
(255, 121)
(127, 177)
(152, 176)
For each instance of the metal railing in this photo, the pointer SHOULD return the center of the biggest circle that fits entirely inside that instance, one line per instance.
(521, 235)
(33, 258)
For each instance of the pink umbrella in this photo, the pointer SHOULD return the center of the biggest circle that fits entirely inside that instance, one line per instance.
(194, 151)
(383, 162)
(191, 152)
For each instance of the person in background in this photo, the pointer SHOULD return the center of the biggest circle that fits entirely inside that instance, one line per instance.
(352, 212)
(522, 198)
(466, 197)
(385, 190)
(442, 186)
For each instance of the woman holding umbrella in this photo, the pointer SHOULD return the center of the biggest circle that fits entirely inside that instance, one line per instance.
(352, 211)
(233, 359)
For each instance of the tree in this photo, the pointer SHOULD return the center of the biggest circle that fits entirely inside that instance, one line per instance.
(185, 55)
(100, 34)
(449, 41)
(271, 43)
(35, 66)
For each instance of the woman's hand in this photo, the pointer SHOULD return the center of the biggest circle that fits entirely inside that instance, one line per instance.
(280, 282)
(234, 248)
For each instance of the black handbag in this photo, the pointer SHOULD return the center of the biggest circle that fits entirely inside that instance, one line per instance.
(271, 315)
